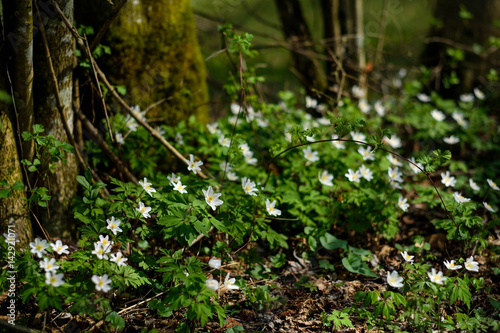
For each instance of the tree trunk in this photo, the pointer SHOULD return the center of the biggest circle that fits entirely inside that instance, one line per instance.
(17, 48)
(304, 54)
(62, 183)
(455, 32)
(155, 55)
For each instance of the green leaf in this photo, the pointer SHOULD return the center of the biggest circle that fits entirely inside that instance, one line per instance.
(37, 129)
(115, 320)
(18, 186)
(353, 263)
(331, 242)
(83, 182)
(5, 193)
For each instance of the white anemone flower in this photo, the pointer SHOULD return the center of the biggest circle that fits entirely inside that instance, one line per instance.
(310, 155)
(473, 185)
(488, 207)
(447, 179)
(215, 263)
(438, 115)
(102, 283)
(407, 257)
(39, 247)
(212, 198)
(270, 208)
(144, 210)
(394, 280)
(365, 172)
(451, 265)
(193, 165)
(49, 265)
(402, 203)
(451, 140)
(248, 186)
(59, 247)
(54, 279)
(471, 265)
(212, 284)
(366, 153)
(147, 186)
(229, 283)
(353, 176)
(460, 198)
(119, 259)
(325, 178)
(180, 188)
(114, 225)
(437, 277)
(493, 185)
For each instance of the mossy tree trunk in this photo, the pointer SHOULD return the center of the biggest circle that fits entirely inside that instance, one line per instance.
(57, 218)
(17, 50)
(155, 55)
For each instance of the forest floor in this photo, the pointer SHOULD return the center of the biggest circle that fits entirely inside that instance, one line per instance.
(293, 306)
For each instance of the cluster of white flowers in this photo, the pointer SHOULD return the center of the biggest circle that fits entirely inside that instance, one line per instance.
(437, 277)
(395, 177)
(39, 248)
(213, 284)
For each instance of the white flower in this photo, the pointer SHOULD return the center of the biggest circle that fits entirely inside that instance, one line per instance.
(49, 265)
(394, 141)
(488, 207)
(336, 143)
(493, 185)
(356, 136)
(364, 106)
(179, 187)
(288, 136)
(106, 243)
(192, 165)
(215, 263)
(325, 178)
(379, 108)
(147, 186)
(114, 225)
(310, 155)
(235, 108)
(402, 72)
(59, 247)
(395, 175)
(229, 283)
(365, 172)
(479, 94)
(270, 208)
(437, 278)
(471, 265)
(245, 150)
(451, 140)
(173, 179)
(250, 159)
(131, 124)
(225, 142)
(99, 251)
(448, 180)
(179, 139)
(413, 167)
(324, 121)
(232, 120)
(39, 247)
(394, 160)
(353, 176)
(423, 98)
(248, 186)
(467, 98)
(250, 114)
(212, 284)
(139, 113)
(231, 176)
(144, 210)
(366, 153)
(357, 92)
(394, 280)
(438, 115)
(460, 198)
(213, 127)
(262, 122)
(102, 283)
(473, 185)
(311, 103)
(451, 265)
(407, 257)
(119, 138)
(212, 198)
(224, 166)
(402, 203)
(459, 118)
(395, 185)
(119, 259)
(54, 279)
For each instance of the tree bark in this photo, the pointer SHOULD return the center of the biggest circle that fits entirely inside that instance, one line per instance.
(62, 183)
(17, 46)
(155, 55)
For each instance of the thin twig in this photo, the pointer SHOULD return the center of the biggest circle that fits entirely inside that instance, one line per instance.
(105, 26)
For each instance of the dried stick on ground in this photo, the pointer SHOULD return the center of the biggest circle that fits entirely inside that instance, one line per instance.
(154, 133)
